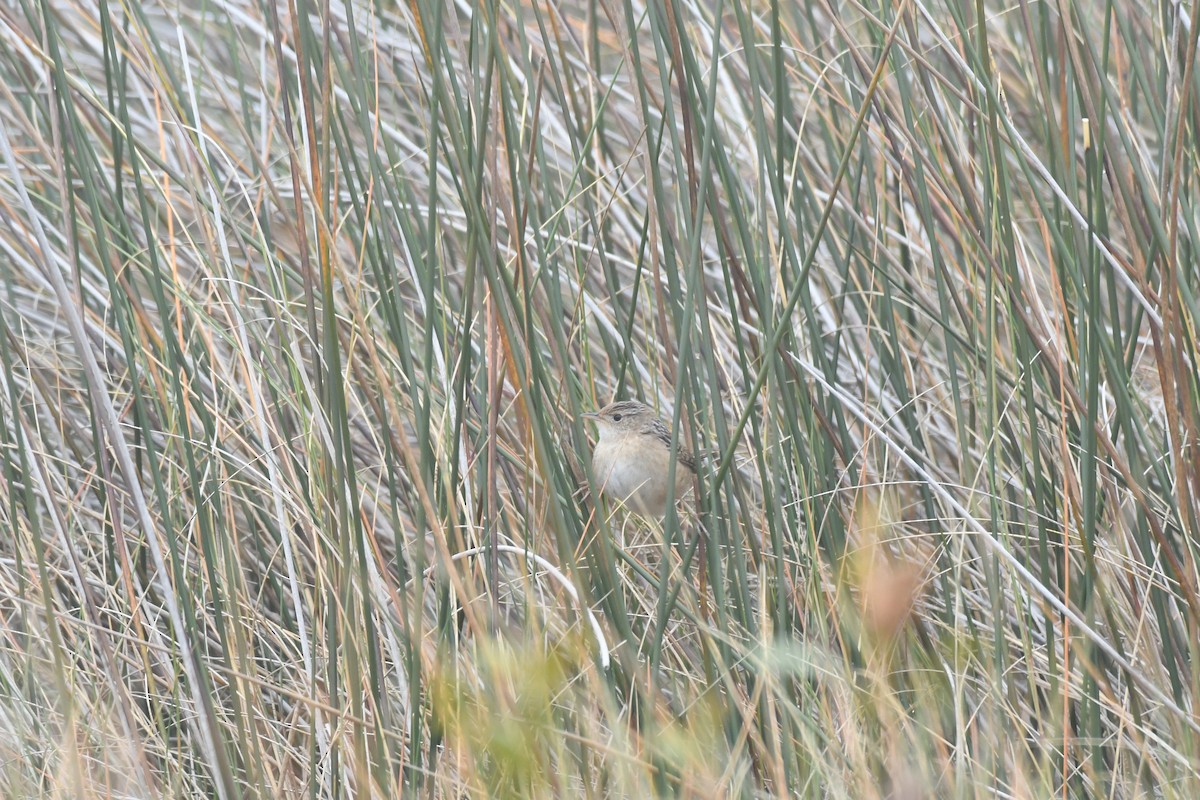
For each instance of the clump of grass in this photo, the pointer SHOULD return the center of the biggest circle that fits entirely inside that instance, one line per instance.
(301, 301)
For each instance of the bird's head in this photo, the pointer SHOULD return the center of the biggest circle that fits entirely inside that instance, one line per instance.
(623, 416)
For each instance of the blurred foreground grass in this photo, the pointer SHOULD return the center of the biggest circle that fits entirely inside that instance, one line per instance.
(300, 300)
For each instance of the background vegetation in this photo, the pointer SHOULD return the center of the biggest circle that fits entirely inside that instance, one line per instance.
(301, 300)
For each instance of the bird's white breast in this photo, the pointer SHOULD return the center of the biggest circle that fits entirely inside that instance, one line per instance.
(634, 472)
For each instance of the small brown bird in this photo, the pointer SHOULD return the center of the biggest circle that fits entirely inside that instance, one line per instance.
(633, 458)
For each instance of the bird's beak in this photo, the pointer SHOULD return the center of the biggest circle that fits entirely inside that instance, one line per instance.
(589, 415)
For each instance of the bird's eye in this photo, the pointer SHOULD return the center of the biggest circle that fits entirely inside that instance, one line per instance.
(616, 417)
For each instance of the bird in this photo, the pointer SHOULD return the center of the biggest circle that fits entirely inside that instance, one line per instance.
(632, 458)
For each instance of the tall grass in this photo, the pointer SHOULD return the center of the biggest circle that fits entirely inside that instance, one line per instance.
(301, 301)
